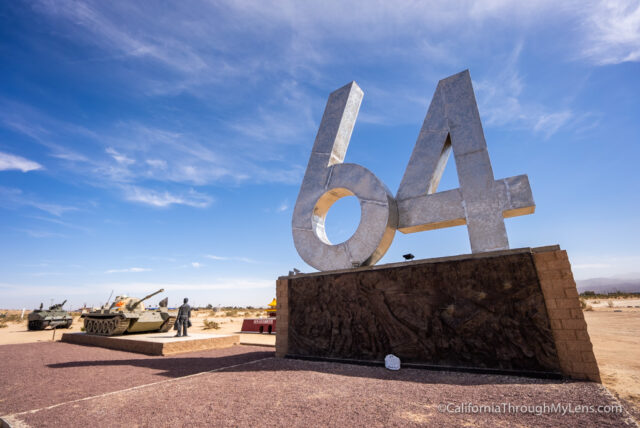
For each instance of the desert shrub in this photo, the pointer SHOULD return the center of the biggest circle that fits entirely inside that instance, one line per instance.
(13, 318)
(610, 304)
(210, 325)
(585, 306)
(3, 324)
(231, 313)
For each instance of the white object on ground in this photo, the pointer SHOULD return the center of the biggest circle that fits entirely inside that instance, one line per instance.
(392, 362)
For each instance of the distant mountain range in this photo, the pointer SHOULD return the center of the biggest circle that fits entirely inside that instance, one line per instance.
(609, 285)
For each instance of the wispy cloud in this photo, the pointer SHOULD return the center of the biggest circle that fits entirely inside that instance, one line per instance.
(236, 259)
(501, 101)
(139, 288)
(128, 270)
(612, 31)
(11, 197)
(62, 223)
(164, 198)
(43, 234)
(120, 158)
(9, 161)
(283, 206)
(591, 266)
(109, 32)
(196, 265)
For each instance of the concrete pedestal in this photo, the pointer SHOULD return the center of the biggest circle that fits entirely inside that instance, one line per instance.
(155, 343)
(514, 311)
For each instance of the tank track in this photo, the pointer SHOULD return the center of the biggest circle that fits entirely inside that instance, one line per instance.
(167, 325)
(36, 325)
(106, 326)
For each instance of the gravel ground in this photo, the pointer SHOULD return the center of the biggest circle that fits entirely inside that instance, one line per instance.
(35, 375)
(251, 388)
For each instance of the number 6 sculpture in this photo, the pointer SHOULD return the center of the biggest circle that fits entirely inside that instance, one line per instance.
(452, 124)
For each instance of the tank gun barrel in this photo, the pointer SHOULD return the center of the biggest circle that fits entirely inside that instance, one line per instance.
(57, 305)
(135, 305)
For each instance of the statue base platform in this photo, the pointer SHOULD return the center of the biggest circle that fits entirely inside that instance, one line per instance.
(155, 343)
(513, 312)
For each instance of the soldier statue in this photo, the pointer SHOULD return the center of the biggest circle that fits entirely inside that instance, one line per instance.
(183, 321)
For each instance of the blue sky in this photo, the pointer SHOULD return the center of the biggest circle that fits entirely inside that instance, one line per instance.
(162, 144)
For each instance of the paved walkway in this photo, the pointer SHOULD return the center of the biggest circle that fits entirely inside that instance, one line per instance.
(58, 384)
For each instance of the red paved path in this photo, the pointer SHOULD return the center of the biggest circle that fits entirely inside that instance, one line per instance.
(265, 392)
(35, 375)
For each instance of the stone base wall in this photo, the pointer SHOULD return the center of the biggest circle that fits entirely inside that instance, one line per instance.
(142, 345)
(515, 310)
(569, 328)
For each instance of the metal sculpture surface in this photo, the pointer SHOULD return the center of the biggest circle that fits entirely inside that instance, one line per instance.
(452, 124)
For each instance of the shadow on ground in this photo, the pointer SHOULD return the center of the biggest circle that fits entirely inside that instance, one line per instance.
(184, 366)
(173, 366)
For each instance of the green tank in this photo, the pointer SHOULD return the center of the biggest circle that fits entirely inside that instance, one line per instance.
(128, 315)
(55, 317)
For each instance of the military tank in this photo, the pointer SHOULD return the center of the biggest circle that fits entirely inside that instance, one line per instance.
(128, 315)
(55, 317)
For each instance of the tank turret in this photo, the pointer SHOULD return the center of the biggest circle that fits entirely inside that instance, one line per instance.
(57, 306)
(135, 304)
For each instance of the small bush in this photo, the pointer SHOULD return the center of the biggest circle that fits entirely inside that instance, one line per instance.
(3, 324)
(610, 304)
(210, 325)
(231, 313)
(13, 318)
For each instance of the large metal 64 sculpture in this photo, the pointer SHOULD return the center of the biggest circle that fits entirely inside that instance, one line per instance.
(452, 123)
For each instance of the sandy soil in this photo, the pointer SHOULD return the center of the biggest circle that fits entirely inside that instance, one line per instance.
(613, 304)
(16, 333)
(616, 344)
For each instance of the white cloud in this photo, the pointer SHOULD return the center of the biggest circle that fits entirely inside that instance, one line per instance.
(550, 123)
(63, 223)
(196, 265)
(501, 101)
(283, 206)
(157, 163)
(16, 198)
(43, 234)
(237, 259)
(128, 270)
(119, 157)
(9, 161)
(591, 266)
(164, 198)
(134, 288)
(612, 30)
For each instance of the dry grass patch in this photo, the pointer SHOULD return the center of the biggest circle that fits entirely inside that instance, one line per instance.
(210, 325)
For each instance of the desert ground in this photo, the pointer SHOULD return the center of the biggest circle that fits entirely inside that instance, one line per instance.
(15, 333)
(615, 334)
(613, 328)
